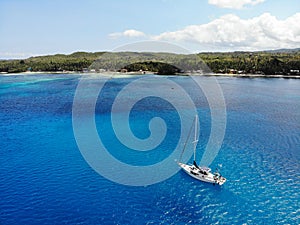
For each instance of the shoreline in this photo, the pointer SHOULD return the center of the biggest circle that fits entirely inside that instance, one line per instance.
(152, 73)
(255, 76)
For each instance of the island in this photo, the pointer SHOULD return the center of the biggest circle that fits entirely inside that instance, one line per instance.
(284, 63)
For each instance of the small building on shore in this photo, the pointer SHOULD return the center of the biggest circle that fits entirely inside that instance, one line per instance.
(294, 72)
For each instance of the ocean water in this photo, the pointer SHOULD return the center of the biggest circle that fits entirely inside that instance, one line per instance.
(44, 178)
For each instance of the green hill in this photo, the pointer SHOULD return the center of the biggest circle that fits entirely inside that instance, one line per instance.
(265, 62)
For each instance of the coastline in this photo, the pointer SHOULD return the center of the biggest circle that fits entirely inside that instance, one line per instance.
(152, 73)
(255, 76)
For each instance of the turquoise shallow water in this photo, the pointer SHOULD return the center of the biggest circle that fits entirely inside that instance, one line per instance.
(44, 179)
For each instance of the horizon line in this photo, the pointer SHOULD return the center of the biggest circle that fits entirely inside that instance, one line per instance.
(32, 55)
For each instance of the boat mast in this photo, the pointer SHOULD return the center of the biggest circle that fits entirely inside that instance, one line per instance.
(187, 140)
(195, 136)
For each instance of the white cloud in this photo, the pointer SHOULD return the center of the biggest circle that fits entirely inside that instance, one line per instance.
(127, 33)
(234, 4)
(230, 32)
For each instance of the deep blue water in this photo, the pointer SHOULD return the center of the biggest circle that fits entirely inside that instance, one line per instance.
(44, 179)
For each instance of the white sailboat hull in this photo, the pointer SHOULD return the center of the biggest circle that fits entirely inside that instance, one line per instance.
(196, 173)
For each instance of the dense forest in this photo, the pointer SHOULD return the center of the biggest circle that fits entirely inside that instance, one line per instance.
(284, 62)
(50, 63)
(269, 63)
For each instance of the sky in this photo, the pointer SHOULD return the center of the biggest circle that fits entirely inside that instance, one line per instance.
(41, 27)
